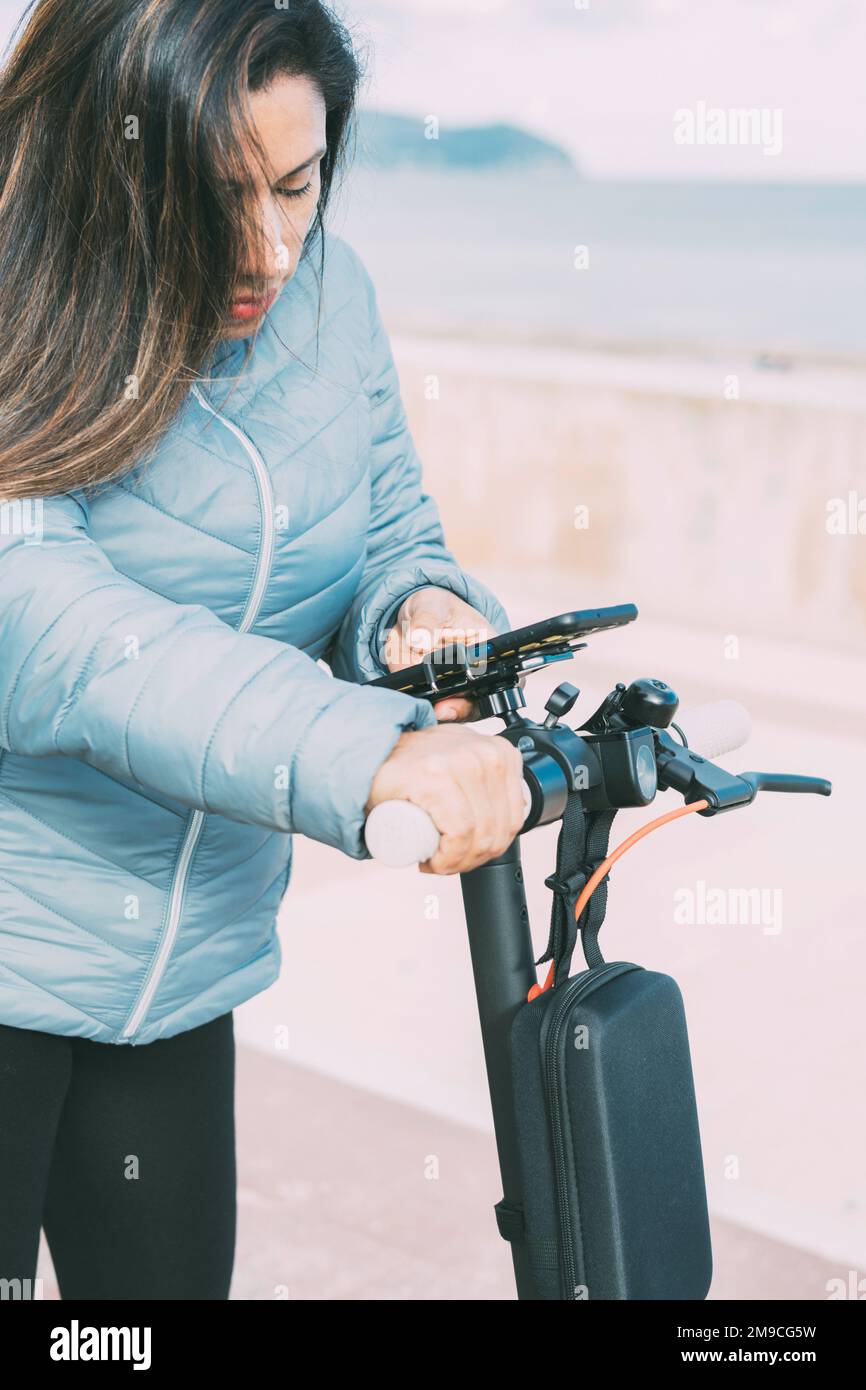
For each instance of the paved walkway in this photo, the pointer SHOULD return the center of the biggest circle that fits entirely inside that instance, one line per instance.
(338, 1200)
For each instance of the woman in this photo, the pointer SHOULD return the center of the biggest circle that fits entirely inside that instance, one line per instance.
(208, 485)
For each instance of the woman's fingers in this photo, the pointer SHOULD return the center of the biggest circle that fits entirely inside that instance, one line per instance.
(470, 785)
(457, 710)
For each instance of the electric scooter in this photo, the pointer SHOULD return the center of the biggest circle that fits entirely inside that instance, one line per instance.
(622, 755)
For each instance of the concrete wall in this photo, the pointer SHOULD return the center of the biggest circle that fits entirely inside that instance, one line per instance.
(713, 509)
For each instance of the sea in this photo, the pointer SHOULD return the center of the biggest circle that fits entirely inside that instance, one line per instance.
(777, 271)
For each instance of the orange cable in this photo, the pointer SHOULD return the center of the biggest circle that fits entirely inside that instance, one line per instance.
(604, 868)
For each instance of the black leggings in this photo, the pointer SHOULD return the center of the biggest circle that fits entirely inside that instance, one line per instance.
(126, 1156)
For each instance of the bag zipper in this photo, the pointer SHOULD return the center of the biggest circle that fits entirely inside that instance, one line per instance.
(264, 565)
(573, 991)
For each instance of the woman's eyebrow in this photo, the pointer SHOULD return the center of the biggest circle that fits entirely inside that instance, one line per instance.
(320, 154)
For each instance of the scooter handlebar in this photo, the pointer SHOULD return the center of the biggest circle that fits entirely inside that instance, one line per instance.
(399, 833)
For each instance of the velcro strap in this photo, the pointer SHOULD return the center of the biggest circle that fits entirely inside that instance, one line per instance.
(580, 849)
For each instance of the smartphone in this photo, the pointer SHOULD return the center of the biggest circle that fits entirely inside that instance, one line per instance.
(538, 637)
(500, 656)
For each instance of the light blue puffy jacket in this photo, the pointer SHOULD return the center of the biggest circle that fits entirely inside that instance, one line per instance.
(164, 722)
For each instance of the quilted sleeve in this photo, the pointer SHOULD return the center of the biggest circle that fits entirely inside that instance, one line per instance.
(406, 547)
(95, 666)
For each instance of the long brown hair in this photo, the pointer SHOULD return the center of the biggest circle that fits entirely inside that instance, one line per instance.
(124, 219)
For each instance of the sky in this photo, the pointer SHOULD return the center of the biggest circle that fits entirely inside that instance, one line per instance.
(604, 78)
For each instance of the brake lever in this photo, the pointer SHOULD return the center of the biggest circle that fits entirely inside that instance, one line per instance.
(698, 779)
(787, 782)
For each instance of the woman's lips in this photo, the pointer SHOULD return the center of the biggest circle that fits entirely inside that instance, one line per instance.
(248, 308)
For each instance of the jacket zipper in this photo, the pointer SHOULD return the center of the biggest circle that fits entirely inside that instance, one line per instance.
(264, 564)
(581, 984)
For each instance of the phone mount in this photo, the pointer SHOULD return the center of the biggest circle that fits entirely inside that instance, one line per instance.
(491, 671)
(493, 682)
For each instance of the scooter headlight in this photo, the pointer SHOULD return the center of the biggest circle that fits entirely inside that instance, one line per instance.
(647, 774)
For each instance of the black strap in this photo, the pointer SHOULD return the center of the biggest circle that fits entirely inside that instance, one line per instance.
(581, 847)
(509, 1219)
(598, 836)
(543, 1254)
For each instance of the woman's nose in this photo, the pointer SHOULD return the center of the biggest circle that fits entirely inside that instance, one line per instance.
(282, 242)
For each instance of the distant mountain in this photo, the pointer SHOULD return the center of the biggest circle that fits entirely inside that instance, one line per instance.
(388, 140)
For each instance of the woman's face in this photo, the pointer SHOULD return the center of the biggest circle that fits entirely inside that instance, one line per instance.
(289, 118)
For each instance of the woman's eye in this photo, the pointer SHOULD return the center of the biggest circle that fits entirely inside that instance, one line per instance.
(295, 192)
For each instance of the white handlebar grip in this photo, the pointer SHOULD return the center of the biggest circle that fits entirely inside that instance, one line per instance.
(399, 833)
(715, 729)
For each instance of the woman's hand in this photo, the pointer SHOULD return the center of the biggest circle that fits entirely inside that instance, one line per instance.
(429, 619)
(470, 784)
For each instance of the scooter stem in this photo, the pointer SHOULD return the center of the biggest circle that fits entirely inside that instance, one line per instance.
(500, 944)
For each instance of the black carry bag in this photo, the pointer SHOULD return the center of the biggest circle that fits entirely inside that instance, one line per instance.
(614, 1198)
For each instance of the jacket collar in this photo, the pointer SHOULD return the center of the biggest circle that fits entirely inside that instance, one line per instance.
(287, 335)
